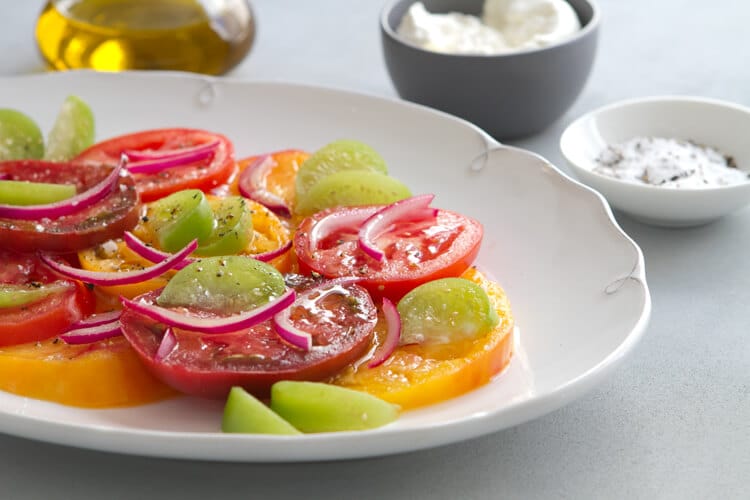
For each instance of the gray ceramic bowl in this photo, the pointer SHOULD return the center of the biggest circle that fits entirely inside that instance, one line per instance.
(509, 95)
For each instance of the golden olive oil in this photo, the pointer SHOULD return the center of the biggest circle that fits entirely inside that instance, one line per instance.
(115, 35)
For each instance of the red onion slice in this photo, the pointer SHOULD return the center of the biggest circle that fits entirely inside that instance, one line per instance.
(68, 206)
(282, 320)
(290, 333)
(121, 278)
(4, 176)
(135, 155)
(375, 226)
(154, 255)
(336, 221)
(167, 345)
(156, 165)
(98, 319)
(151, 253)
(392, 337)
(252, 185)
(211, 325)
(272, 254)
(90, 334)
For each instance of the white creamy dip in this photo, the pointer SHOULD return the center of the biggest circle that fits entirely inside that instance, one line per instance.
(506, 26)
(669, 163)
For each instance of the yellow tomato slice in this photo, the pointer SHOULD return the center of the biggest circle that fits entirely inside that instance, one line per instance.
(101, 375)
(419, 375)
(114, 256)
(269, 233)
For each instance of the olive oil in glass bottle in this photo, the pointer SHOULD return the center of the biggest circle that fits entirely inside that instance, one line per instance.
(202, 36)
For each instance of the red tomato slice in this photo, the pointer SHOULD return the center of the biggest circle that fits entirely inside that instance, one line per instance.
(204, 175)
(209, 365)
(47, 317)
(100, 222)
(415, 252)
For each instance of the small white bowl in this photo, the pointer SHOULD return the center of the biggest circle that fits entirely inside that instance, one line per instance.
(723, 125)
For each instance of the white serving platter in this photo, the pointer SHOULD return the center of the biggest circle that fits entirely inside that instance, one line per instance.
(575, 279)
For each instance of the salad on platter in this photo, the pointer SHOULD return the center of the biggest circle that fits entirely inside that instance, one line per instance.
(311, 291)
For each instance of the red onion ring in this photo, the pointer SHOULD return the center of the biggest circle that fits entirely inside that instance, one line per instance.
(375, 226)
(90, 334)
(252, 185)
(70, 205)
(151, 253)
(168, 343)
(120, 278)
(211, 325)
(156, 165)
(282, 320)
(136, 155)
(339, 220)
(98, 319)
(392, 337)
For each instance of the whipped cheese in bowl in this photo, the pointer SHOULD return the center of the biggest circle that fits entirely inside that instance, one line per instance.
(505, 26)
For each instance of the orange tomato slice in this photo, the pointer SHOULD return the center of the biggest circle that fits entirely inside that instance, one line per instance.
(280, 176)
(419, 375)
(101, 375)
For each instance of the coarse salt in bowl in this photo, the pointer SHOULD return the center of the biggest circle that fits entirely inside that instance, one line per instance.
(711, 123)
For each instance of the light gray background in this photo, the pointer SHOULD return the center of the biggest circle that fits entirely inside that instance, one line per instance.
(673, 421)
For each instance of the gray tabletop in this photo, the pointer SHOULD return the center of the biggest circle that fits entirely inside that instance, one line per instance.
(672, 422)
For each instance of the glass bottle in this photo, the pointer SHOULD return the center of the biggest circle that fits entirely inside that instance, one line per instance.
(203, 36)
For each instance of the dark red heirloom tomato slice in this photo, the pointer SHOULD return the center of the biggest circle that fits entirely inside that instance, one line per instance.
(204, 175)
(208, 365)
(100, 222)
(415, 252)
(46, 317)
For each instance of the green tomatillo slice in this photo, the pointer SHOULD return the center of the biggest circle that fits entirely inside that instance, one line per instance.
(350, 188)
(226, 285)
(446, 310)
(15, 295)
(34, 193)
(336, 157)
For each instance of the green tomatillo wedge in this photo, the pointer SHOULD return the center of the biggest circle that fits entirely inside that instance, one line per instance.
(243, 413)
(180, 218)
(233, 227)
(319, 407)
(20, 137)
(72, 132)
